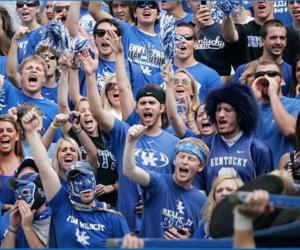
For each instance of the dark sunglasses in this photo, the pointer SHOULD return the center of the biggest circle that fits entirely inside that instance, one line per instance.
(28, 4)
(59, 9)
(179, 37)
(151, 5)
(110, 86)
(292, 2)
(51, 57)
(102, 32)
(269, 73)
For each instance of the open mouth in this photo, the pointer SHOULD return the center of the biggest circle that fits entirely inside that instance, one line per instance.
(32, 78)
(148, 115)
(88, 121)
(25, 14)
(180, 90)
(5, 141)
(68, 159)
(116, 95)
(147, 13)
(183, 170)
(105, 45)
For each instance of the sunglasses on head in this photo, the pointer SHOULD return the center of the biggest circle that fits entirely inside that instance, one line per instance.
(183, 81)
(110, 86)
(59, 9)
(102, 32)
(28, 4)
(50, 57)
(269, 73)
(151, 5)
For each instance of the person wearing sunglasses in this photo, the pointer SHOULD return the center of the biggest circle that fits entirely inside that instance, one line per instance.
(184, 59)
(60, 10)
(273, 41)
(142, 45)
(277, 113)
(27, 11)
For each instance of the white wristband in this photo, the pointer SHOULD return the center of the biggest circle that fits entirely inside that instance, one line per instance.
(241, 222)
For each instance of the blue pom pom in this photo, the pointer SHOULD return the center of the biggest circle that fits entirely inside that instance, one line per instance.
(229, 6)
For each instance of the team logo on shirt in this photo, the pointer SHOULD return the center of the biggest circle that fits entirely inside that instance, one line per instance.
(151, 158)
(82, 238)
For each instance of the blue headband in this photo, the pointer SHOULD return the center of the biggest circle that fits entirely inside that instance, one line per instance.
(193, 149)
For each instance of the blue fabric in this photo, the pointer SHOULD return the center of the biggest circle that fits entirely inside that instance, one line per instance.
(50, 93)
(247, 158)
(83, 229)
(151, 153)
(268, 132)
(168, 205)
(3, 62)
(7, 196)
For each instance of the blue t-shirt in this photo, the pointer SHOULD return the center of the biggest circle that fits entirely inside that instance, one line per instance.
(87, 21)
(3, 63)
(282, 13)
(268, 132)
(143, 49)
(80, 229)
(50, 93)
(21, 241)
(7, 196)
(168, 205)
(154, 153)
(206, 81)
(27, 43)
(286, 71)
(247, 159)
(12, 97)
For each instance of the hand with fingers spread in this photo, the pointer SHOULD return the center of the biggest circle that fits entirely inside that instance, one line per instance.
(176, 234)
(132, 241)
(167, 73)
(30, 121)
(89, 64)
(26, 214)
(115, 42)
(135, 132)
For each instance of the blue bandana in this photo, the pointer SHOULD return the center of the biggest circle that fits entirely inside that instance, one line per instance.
(193, 149)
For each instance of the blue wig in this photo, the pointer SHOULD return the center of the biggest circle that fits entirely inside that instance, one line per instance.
(241, 98)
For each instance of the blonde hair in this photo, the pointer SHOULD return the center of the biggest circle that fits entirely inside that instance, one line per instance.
(287, 179)
(55, 163)
(211, 200)
(34, 58)
(249, 71)
(195, 98)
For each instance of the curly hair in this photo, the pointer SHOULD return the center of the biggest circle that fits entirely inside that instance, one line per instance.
(242, 100)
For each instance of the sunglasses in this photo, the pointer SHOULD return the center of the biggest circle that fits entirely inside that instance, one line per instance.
(183, 81)
(151, 5)
(110, 86)
(269, 73)
(59, 9)
(102, 32)
(51, 57)
(179, 37)
(293, 2)
(28, 4)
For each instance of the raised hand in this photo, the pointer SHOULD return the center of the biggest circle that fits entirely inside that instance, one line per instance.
(167, 73)
(89, 64)
(60, 119)
(65, 62)
(135, 132)
(115, 42)
(20, 33)
(26, 214)
(15, 216)
(74, 119)
(30, 121)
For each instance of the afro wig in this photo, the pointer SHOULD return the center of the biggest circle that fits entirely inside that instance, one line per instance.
(241, 98)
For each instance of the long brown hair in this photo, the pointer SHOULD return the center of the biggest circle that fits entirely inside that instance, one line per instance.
(8, 33)
(18, 146)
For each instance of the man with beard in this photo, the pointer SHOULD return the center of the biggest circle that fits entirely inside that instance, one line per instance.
(273, 41)
(277, 113)
(153, 151)
(234, 150)
(27, 224)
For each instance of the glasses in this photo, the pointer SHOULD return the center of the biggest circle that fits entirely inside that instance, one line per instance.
(269, 73)
(28, 4)
(179, 37)
(151, 5)
(51, 57)
(183, 81)
(110, 86)
(102, 32)
(293, 2)
(59, 9)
